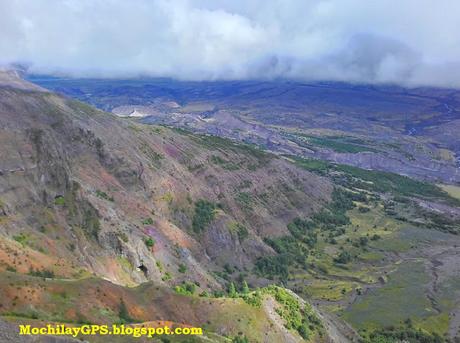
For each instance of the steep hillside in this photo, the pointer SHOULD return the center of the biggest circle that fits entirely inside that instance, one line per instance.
(83, 193)
(69, 171)
(97, 301)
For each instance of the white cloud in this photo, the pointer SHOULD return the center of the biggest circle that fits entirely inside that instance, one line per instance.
(411, 42)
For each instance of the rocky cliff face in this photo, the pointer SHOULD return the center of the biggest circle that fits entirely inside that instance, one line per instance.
(121, 200)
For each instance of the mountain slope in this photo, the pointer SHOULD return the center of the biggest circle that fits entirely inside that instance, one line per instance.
(83, 192)
(87, 196)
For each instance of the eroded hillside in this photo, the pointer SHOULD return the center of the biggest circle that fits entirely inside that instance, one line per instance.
(85, 193)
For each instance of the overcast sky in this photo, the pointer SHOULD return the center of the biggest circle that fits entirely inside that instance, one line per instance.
(409, 42)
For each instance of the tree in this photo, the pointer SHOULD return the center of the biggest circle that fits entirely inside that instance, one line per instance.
(232, 290)
(245, 289)
(123, 313)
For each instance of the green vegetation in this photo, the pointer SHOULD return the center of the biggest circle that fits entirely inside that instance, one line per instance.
(123, 236)
(159, 266)
(341, 144)
(90, 224)
(441, 222)
(293, 250)
(11, 269)
(403, 333)
(454, 191)
(103, 195)
(254, 299)
(375, 181)
(59, 200)
(186, 288)
(400, 298)
(245, 200)
(167, 197)
(227, 165)
(149, 242)
(123, 313)
(45, 273)
(147, 221)
(317, 166)
(382, 182)
(296, 317)
(21, 238)
(182, 268)
(271, 266)
(242, 232)
(232, 290)
(245, 288)
(203, 216)
(153, 156)
(166, 277)
(343, 258)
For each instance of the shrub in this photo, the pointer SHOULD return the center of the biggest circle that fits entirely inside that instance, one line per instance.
(242, 232)
(149, 242)
(343, 258)
(147, 221)
(203, 216)
(245, 200)
(240, 339)
(375, 237)
(59, 200)
(123, 313)
(103, 195)
(11, 269)
(21, 238)
(166, 277)
(45, 273)
(363, 241)
(123, 236)
(186, 288)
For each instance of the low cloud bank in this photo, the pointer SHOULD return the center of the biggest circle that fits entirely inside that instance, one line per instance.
(408, 42)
